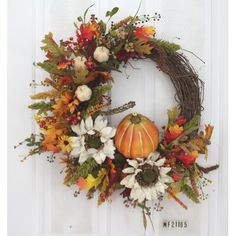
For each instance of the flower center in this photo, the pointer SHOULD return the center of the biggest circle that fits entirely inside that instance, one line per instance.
(93, 141)
(66, 142)
(148, 176)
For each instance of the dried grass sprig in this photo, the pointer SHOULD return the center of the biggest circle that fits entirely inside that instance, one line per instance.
(122, 22)
(177, 199)
(194, 185)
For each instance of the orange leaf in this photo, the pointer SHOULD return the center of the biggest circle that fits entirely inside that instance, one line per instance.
(144, 32)
(64, 65)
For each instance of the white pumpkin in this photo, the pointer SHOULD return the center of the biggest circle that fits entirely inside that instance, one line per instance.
(79, 62)
(83, 93)
(101, 54)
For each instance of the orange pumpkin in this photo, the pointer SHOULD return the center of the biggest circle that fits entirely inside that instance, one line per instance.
(136, 136)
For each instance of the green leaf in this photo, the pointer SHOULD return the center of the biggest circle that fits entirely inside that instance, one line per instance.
(187, 190)
(84, 170)
(103, 26)
(142, 47)
(173, 115)
(119, 160)
(184, 148)
(193, 122)
(42, 107)
(192, 125)
(144, 220)
(109, 66)
(113, 33)
(177, 186)
(114, 11)
(79, 18)
(93, 182)
(80, 76)
(98, 92)
(108, 13)
(86, 11)
(51, 46)
(29, 144)
(51, 68)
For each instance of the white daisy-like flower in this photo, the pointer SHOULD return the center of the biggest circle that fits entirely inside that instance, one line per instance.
(147, 178)
(94, 140)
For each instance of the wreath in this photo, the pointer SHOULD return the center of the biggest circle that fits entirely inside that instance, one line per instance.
(132, 158)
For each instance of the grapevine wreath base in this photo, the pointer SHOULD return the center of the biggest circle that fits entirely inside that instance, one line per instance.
(133, 158)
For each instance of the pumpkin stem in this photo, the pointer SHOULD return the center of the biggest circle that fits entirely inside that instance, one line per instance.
(135, 118)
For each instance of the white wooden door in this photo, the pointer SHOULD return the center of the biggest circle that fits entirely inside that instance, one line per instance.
(38, 203)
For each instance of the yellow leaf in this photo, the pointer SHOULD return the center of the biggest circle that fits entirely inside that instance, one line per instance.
(103, 188)
(142, 47)
(208, 131)
(90, 181)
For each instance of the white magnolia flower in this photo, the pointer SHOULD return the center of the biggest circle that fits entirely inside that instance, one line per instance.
(79, 62)
(94, 140)
(76, 145)
(101, 54)
(83, 93)
(147, 178)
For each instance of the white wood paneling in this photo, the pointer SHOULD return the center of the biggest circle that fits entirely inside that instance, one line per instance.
(39, 204)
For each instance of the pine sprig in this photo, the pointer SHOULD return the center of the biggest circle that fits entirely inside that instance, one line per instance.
(170, 47)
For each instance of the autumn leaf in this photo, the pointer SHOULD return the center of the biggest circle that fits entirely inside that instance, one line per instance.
(91, 182)
(64, 65)
(52, 47)
(80, 76)
(203, 140)
(103, 189)
(188, 191)
(106, 76)
(192, 125)
(173, 115)
(51, 68)
(42, 107)
(144, 32)
(177, 186)
(144, 220)
(208, 131)
(142, 47)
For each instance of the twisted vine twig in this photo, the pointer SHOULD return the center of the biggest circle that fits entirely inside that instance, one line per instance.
(189, 87)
